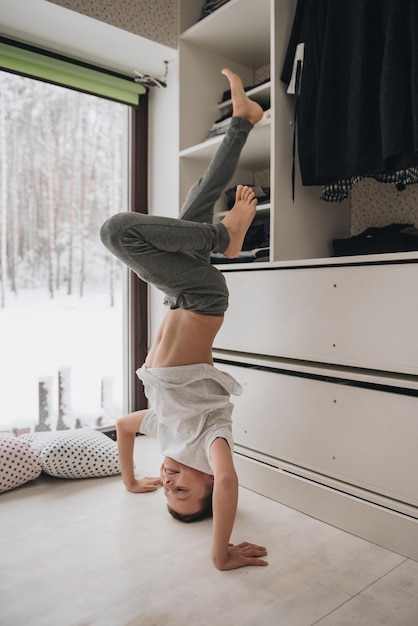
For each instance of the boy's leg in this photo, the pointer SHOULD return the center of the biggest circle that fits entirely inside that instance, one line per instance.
(169, 253)
(200, 200)
(174, 254)
(161, 251)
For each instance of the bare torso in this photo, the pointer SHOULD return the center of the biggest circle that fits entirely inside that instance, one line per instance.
(184, 338)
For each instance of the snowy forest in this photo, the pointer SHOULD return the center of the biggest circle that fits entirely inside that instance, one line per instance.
(62, 163)
(63, 171)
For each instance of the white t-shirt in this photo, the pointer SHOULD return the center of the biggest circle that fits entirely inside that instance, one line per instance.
(189, 408)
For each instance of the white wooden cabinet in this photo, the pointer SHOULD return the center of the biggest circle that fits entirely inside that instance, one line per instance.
(325, 348)
(354, 313)
(336, 443)
(336, 427)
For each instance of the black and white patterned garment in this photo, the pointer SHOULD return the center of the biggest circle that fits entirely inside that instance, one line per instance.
(338, 191)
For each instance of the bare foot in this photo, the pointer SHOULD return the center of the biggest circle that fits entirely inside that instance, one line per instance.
(242, 106)
(237, 221)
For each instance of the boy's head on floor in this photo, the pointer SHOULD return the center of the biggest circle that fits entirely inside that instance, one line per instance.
(188, 491)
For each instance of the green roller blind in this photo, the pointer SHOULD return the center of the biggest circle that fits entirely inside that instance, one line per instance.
(34, 63)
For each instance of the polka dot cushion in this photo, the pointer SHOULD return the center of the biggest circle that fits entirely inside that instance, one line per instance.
(19, 463)
(84, 453)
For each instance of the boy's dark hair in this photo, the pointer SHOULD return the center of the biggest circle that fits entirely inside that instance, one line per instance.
(205, 510)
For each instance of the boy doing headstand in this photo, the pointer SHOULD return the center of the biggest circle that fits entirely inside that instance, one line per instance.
(190, 408)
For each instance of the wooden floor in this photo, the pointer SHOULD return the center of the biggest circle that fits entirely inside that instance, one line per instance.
(87, 553)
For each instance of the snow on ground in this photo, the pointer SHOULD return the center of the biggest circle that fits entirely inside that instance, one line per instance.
(39, 336)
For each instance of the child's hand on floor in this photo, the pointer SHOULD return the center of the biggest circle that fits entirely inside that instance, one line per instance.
(143, 485)
(242, 555)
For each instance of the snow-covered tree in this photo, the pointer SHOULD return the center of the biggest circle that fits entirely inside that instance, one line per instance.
(62, 157)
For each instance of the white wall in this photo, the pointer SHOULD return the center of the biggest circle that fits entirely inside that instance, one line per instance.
(153, 19)
(163, 166)
(58, 29)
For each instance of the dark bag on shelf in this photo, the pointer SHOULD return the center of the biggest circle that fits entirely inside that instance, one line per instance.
(375, 240)
(258, 236)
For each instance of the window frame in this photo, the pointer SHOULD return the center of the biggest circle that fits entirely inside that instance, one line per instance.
(137, 290)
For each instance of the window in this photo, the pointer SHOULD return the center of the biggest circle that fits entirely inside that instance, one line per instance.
(63, 298)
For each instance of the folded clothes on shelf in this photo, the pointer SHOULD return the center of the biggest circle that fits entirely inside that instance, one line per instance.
(258, 236)
(256, 246)
(210, 6)
(220, 126)
(249, 256)
(261, 193)
(227, 94)
(375, 240)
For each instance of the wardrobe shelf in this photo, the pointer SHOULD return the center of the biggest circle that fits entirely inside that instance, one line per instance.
(260, 209)
(256, 154)
(229, 32)
(260, 94)
(388, 258)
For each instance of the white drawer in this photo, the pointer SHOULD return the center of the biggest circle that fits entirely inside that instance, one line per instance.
(364, 436)
(361, 316)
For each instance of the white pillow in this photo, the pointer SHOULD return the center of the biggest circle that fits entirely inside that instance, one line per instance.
(84, 453)
(19, 463)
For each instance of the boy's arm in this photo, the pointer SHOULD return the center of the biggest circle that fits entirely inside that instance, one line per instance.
(226, 556)
(126, 428)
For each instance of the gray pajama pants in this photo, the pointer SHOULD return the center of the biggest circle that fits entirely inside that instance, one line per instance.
(174, 254)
